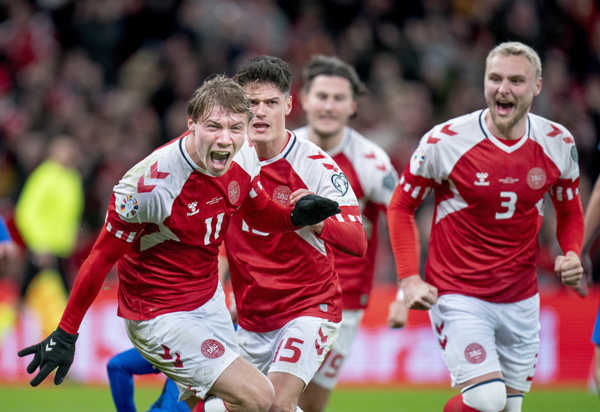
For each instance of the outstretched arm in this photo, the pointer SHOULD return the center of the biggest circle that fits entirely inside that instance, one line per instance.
(58, 349)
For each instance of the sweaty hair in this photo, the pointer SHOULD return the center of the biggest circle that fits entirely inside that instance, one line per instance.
(220, 91)
(266, 69)
(515, 48)
(331, 66)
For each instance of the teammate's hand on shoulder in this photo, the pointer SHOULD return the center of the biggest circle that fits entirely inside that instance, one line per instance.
(418, 294)
(56, 351)
(568, 268)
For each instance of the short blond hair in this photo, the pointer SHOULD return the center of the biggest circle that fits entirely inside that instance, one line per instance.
(219, 90)
(515, 48)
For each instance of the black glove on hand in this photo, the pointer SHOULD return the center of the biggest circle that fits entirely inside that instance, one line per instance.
(312, 209)
(57, 350)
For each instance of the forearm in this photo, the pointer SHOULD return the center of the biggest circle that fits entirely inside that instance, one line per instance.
(404, 236)
(569, 225)
(106, 252)
(346, 233)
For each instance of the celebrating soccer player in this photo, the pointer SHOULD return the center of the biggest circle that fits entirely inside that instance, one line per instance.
(165, 221)
(329, 99)
(286, 289)
(489, 171)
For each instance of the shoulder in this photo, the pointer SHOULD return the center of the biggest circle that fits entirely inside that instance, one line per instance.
(147, 190)
(557, 142)
(247, 159)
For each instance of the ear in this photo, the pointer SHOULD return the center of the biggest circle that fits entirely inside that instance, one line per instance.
(538, 86)
(288, 105)
(191, 125)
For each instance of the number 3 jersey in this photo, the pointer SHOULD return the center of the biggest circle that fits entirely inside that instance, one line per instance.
(175, 215)
(488, 204)
(277, 277)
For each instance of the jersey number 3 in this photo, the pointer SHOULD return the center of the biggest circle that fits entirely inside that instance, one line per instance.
(508, 200)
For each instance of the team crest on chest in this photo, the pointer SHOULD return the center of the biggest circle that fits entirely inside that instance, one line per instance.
(281, 195)
(126, 205)
(536, 178)
(340, 183)
(233, 191)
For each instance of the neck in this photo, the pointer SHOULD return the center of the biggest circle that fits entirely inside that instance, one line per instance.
(268, 150)
(325, 142)
(508, 132)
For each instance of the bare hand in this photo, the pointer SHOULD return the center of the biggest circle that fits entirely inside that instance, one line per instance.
(568, 268)
(418, 294)
(397, 314)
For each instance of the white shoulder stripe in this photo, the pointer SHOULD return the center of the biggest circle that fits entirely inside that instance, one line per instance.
(448, 206)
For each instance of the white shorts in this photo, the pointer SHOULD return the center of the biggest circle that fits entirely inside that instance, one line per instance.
(298, 348)
(192, 348)
(329, 372)
(479, 337)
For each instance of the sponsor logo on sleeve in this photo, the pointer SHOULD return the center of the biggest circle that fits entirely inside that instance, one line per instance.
(390, 181)
(574, 154)
(126, 205)
(340, 183)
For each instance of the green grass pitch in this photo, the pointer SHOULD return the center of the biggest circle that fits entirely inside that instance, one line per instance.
(71, 397)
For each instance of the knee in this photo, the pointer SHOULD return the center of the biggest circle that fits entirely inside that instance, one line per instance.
(113, 365)
(488, 396)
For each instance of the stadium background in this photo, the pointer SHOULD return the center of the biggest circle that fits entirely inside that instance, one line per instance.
(116, 74)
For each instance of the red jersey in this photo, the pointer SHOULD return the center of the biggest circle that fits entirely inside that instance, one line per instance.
(373, 179)
(277, 277)
(489, 200)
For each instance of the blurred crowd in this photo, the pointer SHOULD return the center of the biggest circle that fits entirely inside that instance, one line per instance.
(113, 77)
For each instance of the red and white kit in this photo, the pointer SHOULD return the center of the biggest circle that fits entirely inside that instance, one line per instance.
(279, 277)
(486, 188)
(165, 222)
(373, 179)
(489, 196)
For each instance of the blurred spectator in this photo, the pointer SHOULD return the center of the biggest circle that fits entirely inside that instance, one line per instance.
(48, 216)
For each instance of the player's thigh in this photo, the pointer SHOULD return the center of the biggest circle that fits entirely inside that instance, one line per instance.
(241, 380)
(328, 373)
(518, 342)
(464, 329)
(192, 348)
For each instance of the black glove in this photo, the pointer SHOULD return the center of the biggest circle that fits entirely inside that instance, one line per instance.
(57, 350)
(312, 209)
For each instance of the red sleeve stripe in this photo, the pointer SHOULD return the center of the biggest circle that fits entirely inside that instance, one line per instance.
(119, 234)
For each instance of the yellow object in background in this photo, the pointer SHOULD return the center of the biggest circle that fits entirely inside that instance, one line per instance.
(47, 297)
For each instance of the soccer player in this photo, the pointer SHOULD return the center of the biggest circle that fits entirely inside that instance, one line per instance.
(165, 221)
(286, 289)
(329, 99)
(592, 229)
(489, 171)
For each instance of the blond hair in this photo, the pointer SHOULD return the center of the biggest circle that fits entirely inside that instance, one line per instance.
(515, 48)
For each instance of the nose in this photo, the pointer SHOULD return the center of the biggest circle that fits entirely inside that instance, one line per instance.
(328, 104)
(504, 87)
(259, 109)
(224, 138)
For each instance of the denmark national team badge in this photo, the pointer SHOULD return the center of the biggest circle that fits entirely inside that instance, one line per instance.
(536, 178)
(475, 353)
(126, 205)
(281, 195)
(340, 183)
(212, 349)
(233, 191)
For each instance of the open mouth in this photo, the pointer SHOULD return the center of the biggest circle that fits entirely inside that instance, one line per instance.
(260, 126)
(219, 158)
(504, 108)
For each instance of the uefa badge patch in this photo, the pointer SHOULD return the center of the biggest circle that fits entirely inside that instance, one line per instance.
(126, 205)
(340, 183)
